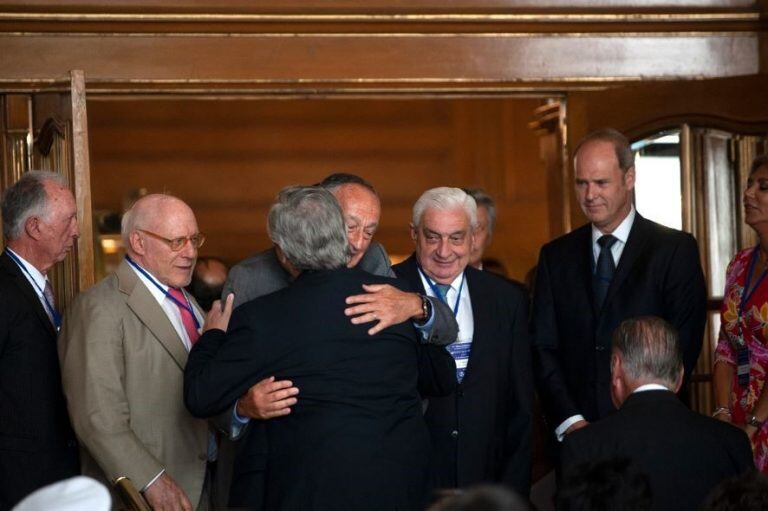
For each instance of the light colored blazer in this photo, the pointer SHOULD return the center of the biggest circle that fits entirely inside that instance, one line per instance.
(122, 368)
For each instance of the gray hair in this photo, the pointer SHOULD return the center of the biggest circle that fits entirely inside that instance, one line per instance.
(26, 198)
(650, 350)
(307, 224)
(486, 201)
(624, 154)
(445, 199)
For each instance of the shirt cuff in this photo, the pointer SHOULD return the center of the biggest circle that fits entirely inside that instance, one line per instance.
(567, 423)
(238, 423)
(425, 329)
(152, 481)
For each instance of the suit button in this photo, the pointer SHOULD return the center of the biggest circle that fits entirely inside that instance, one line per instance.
(202, 457)
(454, 434)
(460, 393)
(599, 348)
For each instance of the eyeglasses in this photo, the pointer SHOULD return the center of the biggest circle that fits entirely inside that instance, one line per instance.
(177, 244)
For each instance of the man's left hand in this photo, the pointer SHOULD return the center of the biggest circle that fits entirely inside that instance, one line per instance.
(384, 304)
(218, 316)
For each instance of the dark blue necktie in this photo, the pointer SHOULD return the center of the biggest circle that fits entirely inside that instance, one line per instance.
(604, 269)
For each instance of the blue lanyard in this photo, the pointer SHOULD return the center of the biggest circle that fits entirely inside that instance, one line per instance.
(168, 295)
(54, 313)
(440, 296)
(744, 295)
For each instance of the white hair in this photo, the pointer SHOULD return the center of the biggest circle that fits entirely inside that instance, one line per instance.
(445, 198)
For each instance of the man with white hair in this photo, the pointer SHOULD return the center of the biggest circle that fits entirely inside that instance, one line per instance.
(480, 432)
(124, 347)
(37, 444)
(683, 454)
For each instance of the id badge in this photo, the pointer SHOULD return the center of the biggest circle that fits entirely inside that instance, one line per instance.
(742, 366)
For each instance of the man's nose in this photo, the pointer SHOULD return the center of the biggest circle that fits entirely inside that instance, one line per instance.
(355, 241)
(443, 248)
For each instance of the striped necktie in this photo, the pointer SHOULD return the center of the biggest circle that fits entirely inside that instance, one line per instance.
(186, 314)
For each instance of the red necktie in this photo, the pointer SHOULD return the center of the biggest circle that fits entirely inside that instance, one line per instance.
(186, 314)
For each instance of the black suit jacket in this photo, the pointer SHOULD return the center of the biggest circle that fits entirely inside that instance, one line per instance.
(482, 431)
(684, 454)
(37, 444)
(658, 274)
(356, 438)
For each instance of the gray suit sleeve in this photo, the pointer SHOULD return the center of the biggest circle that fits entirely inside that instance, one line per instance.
(444, 330)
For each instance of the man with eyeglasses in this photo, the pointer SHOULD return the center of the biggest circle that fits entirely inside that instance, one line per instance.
(124, 348)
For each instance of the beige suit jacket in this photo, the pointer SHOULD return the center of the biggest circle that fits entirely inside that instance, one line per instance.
(123, 373)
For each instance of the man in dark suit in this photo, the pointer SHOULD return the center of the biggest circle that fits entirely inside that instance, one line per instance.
(269, 271)
(482, 431)
(356, 439)
(618, 266)
(37, 444)
(683, 454)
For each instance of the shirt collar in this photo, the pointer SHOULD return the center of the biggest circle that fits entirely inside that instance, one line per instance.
(33, 272)
(621, 232)
(650, 386)
(455, 284)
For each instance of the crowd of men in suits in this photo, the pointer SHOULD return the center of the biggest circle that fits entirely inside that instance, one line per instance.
(326, 379)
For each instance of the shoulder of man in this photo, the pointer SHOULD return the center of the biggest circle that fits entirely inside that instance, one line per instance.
(568, 242)
(375, 260)
(498, 285)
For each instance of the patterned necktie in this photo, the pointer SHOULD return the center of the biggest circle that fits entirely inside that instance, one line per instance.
(186, 314)
(48, 293)
(604, 269)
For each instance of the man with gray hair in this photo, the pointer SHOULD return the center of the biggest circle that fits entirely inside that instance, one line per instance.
(37, 444)
(482, 431)
(381, 306)
(356, 439)
(683, 454)
(486, 221)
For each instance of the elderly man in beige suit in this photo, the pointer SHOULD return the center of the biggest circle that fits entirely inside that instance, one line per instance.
(124, 348)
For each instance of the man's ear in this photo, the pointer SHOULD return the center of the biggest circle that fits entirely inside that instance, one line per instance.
(629, 178)
(679, 382)
(618, 389)
(137, 243)
(413, 232)
(32, 227)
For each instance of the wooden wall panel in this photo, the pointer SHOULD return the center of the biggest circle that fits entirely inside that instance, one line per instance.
(228, 159)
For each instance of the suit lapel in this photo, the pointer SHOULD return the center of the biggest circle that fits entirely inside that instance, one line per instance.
(409, 271)
(27, 291)
(638, 237)
(149, 312)
(482, 319)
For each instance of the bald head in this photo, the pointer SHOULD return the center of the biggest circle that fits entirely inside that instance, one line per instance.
(148, 228)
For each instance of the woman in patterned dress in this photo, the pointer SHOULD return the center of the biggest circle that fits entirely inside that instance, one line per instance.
(740, 394)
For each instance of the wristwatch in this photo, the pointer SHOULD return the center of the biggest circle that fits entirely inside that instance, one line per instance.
(754, 421)
(426, 310)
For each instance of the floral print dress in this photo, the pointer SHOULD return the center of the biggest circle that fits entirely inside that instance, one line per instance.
(755, 331)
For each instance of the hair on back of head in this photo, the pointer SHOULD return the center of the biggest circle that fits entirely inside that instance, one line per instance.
(26, 198)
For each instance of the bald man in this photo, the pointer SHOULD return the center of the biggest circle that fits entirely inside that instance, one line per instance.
(124, 348)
